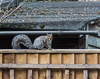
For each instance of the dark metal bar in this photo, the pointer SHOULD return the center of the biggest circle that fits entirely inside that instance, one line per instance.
(53, 32)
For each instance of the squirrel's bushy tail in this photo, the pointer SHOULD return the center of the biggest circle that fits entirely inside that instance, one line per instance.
(21, 39)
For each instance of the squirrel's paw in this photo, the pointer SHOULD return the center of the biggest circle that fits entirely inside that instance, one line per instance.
(43, 49)
(49, 48)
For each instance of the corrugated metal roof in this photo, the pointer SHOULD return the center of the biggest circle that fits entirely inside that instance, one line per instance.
(54, 16)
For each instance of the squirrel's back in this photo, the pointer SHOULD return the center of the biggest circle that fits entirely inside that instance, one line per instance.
(39, 42)
(43, 41)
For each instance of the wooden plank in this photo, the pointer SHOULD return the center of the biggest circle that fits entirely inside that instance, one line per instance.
(6, 73)
(80, 59)
(8, 58)
(52, 66)
(66, 73)
(29, 73)
(11, 73)
(68, 59)
(56, 59)
(53, 51)
(92, 59)
(85, 74)
(43, 59)
(20, 73)
(20, 58)
(35, 74)
(48, 74)
(93, 74)
(33, 59)
(0, 63)
(99, 63)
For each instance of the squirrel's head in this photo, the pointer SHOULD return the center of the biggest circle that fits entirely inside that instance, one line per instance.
(49, 36)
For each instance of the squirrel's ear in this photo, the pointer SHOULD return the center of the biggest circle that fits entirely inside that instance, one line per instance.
(51, 34)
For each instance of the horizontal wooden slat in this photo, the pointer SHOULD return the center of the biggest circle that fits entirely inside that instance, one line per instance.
(50, 51)
(67, 66)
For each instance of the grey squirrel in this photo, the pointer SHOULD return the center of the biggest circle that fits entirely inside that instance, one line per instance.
(39, 43)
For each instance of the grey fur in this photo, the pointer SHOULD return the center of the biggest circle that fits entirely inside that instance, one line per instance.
(39, 43)
(21, 39)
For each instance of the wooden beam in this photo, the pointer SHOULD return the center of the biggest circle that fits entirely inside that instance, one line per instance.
(1, 63)
(66, 73)
(48, 74)
(20, 73)
(11, 73)
(68, 66)
(69, 59)
(29, 73)
(33, 59)
(85, 74)
(79, 59)
(56, 51)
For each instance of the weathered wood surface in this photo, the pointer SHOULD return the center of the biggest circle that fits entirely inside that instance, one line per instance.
(29, 73)
(33, 59)
(69, 59)
(0, 63)
(11, 73)
(66, 73)
(7, 58)
(92, 59)
(56, 59)
(85, 74)
(43, 59)
(80, 59)
(52, 66)
(56, 51)
(48, 74)
(20, 73)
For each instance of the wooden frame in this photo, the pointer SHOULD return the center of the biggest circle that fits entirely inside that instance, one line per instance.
(56, 51)
(45, 64)
(51, 66)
